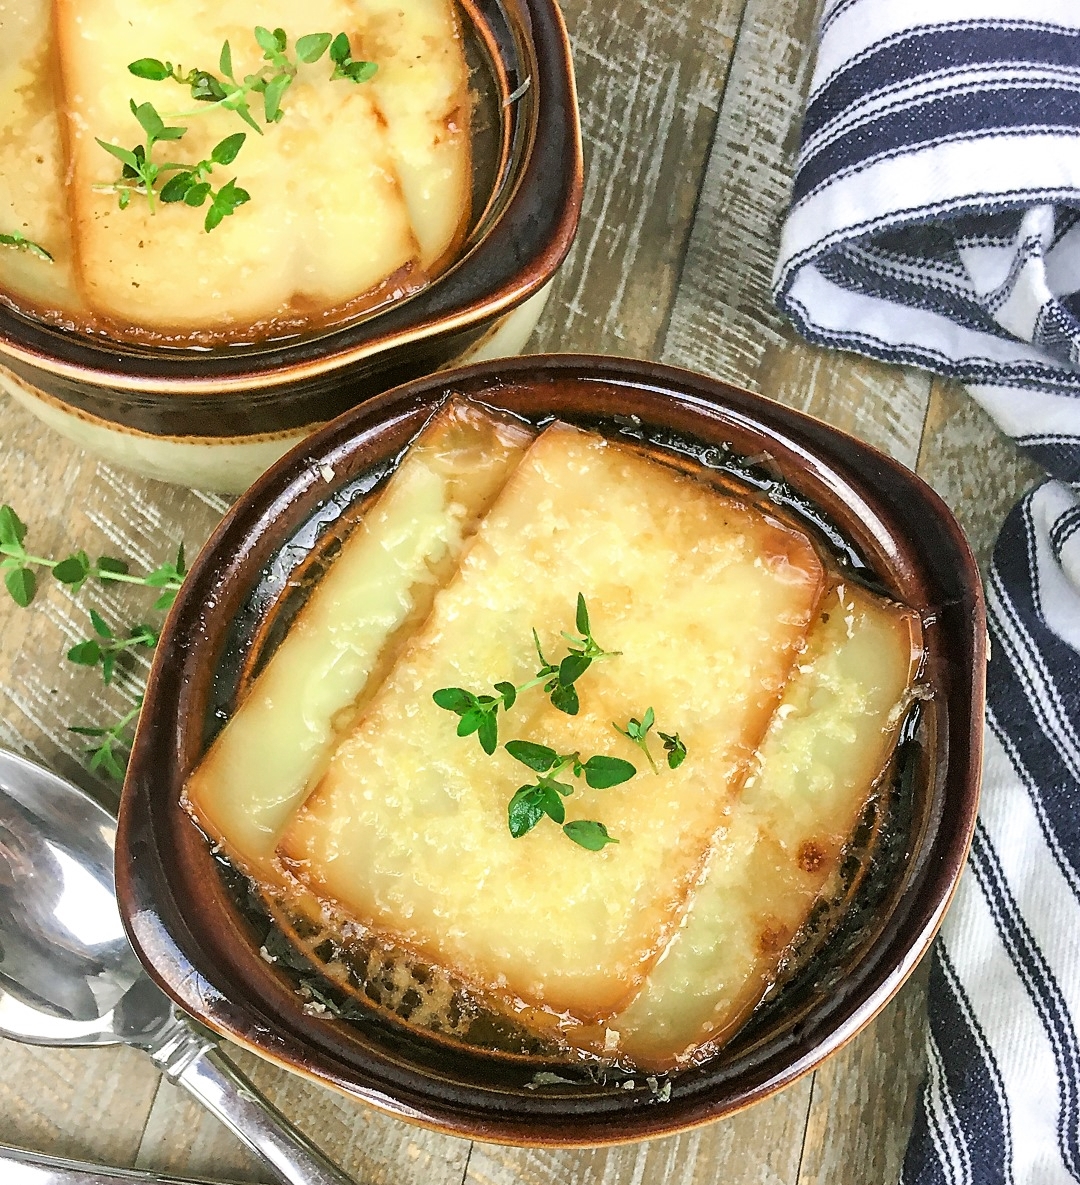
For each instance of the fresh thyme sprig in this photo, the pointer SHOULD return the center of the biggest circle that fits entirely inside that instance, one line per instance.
(188, 184)
(531, 802)
(192, 187)
(140, 172)
(346, 66)
(74, 570)
(204, 86)
(599, 772)
(586, 646)
(114, 744)
(479, 713)
(106, 647)
(638, 732)
(584, 651)
(272, 81)
(544, 797)
(674, 748)
(20, 242)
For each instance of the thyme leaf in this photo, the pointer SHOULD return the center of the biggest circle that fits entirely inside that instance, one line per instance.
(478, 713)
(638, 732)
(533, 801)
(113, 748)
(588, 834)
(106, 645)
(19, 242)
(140, 173)
(272, 81)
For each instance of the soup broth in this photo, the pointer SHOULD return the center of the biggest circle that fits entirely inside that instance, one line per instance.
(391, 866)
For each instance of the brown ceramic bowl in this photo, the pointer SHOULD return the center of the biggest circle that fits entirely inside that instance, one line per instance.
(216, 419)
(203, 949)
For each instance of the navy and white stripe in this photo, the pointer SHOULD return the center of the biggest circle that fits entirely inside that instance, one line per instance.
(935, 222)
(964, 1114)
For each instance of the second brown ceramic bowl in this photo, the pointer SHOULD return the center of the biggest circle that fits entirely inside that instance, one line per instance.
(216, 418)
(203, 948)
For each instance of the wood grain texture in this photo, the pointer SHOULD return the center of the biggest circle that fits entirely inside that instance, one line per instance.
(975, 468)
(864, 1097)
(650, 78)
(181, 1137)
(723, 320)
(759, 1146)
(85, 1103)
(90, 1104)
(68, 500)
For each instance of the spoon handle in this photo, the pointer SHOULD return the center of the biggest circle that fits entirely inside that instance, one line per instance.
(19, 1167)
(190, 1058)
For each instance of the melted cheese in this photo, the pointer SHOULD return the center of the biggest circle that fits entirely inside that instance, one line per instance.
(33, 197)
(385, 577)
(708, 602)
(422, 91)
(328, 220)
(825, 750)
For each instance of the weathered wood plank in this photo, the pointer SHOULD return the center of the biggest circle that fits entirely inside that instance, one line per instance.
(70, 501)
(978, 471)
(372, 1148)
(90, 1104)
(864, 1097)
(82, 1103)
(723, 320)
(723, 317)
(758, 1146)
(649, 78)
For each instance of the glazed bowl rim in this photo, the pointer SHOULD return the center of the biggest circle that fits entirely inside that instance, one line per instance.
(939, 854)
(554, 130)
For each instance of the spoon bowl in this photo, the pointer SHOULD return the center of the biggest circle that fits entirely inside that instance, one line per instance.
(68, 974)
(65, 960)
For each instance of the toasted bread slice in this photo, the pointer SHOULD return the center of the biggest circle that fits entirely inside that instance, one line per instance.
(33, 193)
(823, 756)
(706, 599)
(422, 91)
(326, 222)
(380, 585)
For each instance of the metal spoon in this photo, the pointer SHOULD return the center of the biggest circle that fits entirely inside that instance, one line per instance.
(19, 1167)
(68, 975)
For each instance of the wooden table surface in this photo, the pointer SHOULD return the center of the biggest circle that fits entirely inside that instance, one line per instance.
(690, 110)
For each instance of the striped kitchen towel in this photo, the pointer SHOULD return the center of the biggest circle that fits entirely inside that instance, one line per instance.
(936, 222)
